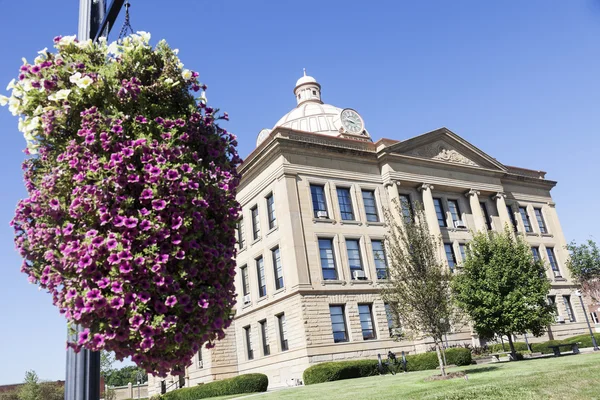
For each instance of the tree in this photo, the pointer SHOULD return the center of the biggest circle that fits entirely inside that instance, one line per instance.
(33, 389)
(121, 377)
(584, 264)
(502, 288)
(106, 361)
(418, 290)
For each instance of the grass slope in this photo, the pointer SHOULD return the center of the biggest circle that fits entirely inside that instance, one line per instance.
(569, 377)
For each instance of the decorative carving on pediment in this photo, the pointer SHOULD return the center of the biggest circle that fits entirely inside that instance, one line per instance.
(440, 150)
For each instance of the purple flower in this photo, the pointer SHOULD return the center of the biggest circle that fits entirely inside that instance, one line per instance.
(131, 222)
(111, 244)
(97, 241)
(98, 340)
(84, 336)
(144, 297)
(145, 225)
(117, 302)
(125, 267)
(141, 119)
(172, 174)
(159, 204)
(93, 294)
(90, 139)
(117, 129)
(171, 301)
(54, 204)
(146, 194)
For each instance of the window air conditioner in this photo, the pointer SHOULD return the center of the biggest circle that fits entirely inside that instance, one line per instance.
(247, 299)
(359, 275)
(322, 214)
(559, 319)
(459, 224)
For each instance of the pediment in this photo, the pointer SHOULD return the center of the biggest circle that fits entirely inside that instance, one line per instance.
(445, 146)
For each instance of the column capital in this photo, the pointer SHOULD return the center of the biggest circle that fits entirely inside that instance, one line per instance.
(551, 204)
(499, 195)
(426, 186)
(472, 192)
(391, 183)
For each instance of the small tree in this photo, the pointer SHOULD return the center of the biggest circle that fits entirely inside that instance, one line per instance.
(584, 264)
(30, 390)
(502, 288)
(418, 290)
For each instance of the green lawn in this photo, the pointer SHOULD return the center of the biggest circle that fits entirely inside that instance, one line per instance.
(569, 377)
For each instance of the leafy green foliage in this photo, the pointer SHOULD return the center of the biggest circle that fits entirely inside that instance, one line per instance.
(121, 377)
(423, 361)
(249, 383)
(34, 389)
(502, 288)
(584, 265)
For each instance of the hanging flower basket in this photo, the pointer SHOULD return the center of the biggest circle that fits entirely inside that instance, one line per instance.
(130, 218)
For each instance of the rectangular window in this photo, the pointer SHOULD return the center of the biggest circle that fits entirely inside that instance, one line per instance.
(255, 223)
(265, 337)
(249, 351)
(392, 319)
(570, 313)
(536, 253)
(277, 268)
(439, 212)
(552, 300)
(406, 207)
(200, 362)
(511, 215)
(262, 279)
(241, 238)
(271, 211)
(380, 260)
(327, 259)
(282, 332)
(454, 210)
(354, 258)
(553, 263)
(463, 251)
(338, 324)
(345, 201)
(540, 220)
(486, 216)
(317, 193)
(450, 256)
(245, 283)
(366, 321)
(525, 218)
(370, 205)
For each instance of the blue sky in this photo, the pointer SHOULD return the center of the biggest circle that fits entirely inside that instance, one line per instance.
(520, 80)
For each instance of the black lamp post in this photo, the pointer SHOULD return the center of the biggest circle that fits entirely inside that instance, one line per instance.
(578, 294)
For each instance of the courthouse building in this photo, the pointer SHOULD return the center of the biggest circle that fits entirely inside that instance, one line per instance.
(311, 257)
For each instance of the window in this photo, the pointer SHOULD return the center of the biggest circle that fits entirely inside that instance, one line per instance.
(366, 321)
(338, 324)
(406, 207)
(345, 201)
(245, 283)
(511, 215)
(255, 223)
(525, 218)
(570, 313)
(317, 193)
(327, 259)
(463, 251)
(200, 362)
(277, 268)
(552, 300)
(536, 253)
(262, 279)
(265, 337)
(282, 332)
(370, 205)
(241, 239)
(249, 351)
(486, 216)
(540, 220)
(380, 260)
(454, 210)
(450, 256)
(354, 259)
(439, 212)
(553, 263)
(271, 211)
(392, 319)
(314, 92)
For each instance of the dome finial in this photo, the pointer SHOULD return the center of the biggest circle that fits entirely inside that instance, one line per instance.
(304, 69)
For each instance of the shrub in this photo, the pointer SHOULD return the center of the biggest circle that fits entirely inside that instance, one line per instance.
(335, 371)
(584, 340)
(429, 360)
(249, 383)
(519, 346)
(543, 347)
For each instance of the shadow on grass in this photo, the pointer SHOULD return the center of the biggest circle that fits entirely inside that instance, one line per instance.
(480, 369)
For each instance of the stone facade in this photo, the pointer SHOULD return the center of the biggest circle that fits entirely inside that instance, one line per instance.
(438, 166)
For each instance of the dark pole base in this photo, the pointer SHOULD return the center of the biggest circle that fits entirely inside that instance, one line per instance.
(82, 381)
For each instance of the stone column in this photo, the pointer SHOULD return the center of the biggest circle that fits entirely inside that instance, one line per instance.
(394, 200)
(502, 211)
(429, 209)
(478, 217)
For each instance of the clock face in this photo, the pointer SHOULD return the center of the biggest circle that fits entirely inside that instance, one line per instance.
(351, 121)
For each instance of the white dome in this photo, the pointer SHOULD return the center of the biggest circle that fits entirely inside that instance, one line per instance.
(313, 117)
(305, 79)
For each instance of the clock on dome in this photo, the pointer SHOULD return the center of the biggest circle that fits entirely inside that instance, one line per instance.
(351, 121)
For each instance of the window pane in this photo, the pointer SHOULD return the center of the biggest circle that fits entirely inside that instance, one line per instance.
(380, 259)
(525, 218)
(245, 283)
(255, 223)
(439, 212)
(278, 268)
(553, 263)
(327, 259)
(463, 251)
(271, 212)
(450, 255)
(250, 352)
(570, 313)
(486, 216)
(338, 327)
(540, 220)
(511, 215)
(241, 238)
(454, 211)
(370, 205)
(354, 259)
(536, 253)
(366, 321)
(345, 201)
(264, 333)
(318, 199)
(282, 332)
(405, 205)
(262, 280)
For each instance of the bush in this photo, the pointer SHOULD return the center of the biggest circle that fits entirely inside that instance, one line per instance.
(249, 383)
(335, 371)
(429, 360)
(519, 346)
(584, 340)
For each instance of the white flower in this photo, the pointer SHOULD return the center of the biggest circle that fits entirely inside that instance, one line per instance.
(168, 81)
(13, 106)
(145, 36)
(24, 60)
(39, 59)
(85, 44)
(11, 85)
(26, 85)
(175, 51)
(76, 77)
(203, 98)
(180, 65)
(60, 95)
(66, 40)
(187, 74)
(38, 111)
(113, 48)
(44, 52)
(85, 82)
(3, 100)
